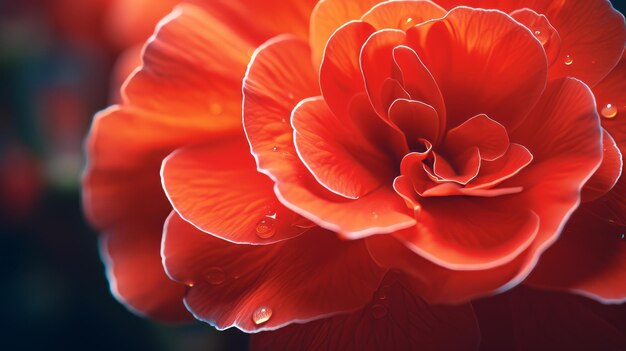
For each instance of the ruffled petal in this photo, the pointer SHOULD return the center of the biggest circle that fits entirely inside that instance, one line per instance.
(484, 62)
(480, 131)
(468, 233)
(272, 143)
(395, 319)
(338, 155)
(279, 76)
(592, 33)
(264, 287)
(439, 285)
(184, 93)
(217, 188)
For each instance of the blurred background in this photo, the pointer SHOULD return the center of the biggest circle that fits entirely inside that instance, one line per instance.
(60, 62)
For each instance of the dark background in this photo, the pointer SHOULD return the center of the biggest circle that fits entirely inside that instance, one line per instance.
(53, 291)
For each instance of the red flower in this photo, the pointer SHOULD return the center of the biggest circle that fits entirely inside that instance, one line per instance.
(436, 148)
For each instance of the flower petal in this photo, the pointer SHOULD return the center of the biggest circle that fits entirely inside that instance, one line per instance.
(338, 155)
(589, 259)
(484, 62)
(592, 33)
(135, 273)
(165, 105)
(279, 76)
(257, 19)
(272, 143)
(402, 14)
(612, 91)
(469, 233)
(340, 72)
(395, 319)
(328, 16)
(439, 285)
(480, 131)
(609, 172)
(529, 319)
(217, 188)
(297, 280)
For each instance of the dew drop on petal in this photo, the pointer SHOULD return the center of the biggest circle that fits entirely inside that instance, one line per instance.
(408, 20)
(609, 111)
(379, 311)
(261, 315)
(291, 97)
(215, 276)
(265, 228)
(275, 149)
(622, 237)
(374, 215)
(541, 35)
(569, 60)
(190, 284)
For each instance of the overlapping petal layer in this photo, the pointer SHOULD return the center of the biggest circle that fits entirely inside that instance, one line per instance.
(396, 318)
(297, 280)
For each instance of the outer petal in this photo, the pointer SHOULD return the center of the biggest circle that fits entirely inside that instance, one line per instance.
(309, 277)
(439, 285)
(528, 319)
(328, 16)
(395, 319)
(266, 105)
(165, 106)
(218, 189)
(609, 172)
(484, 62)
(594, 253)
(592, 33)
(612, 91)
(257, 20)
(136, 276)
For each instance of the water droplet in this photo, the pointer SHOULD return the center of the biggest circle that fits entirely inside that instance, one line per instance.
(541, 35)
(374, 215)
(215, 276)
(291, 96)
(265, 228)
(275, 149)
(379, 311)
(622, 236)
(569, 60)
(261, 315)
(284, 120)
(190, 284)
(216, 109)
(408, 21)
(609, 111)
